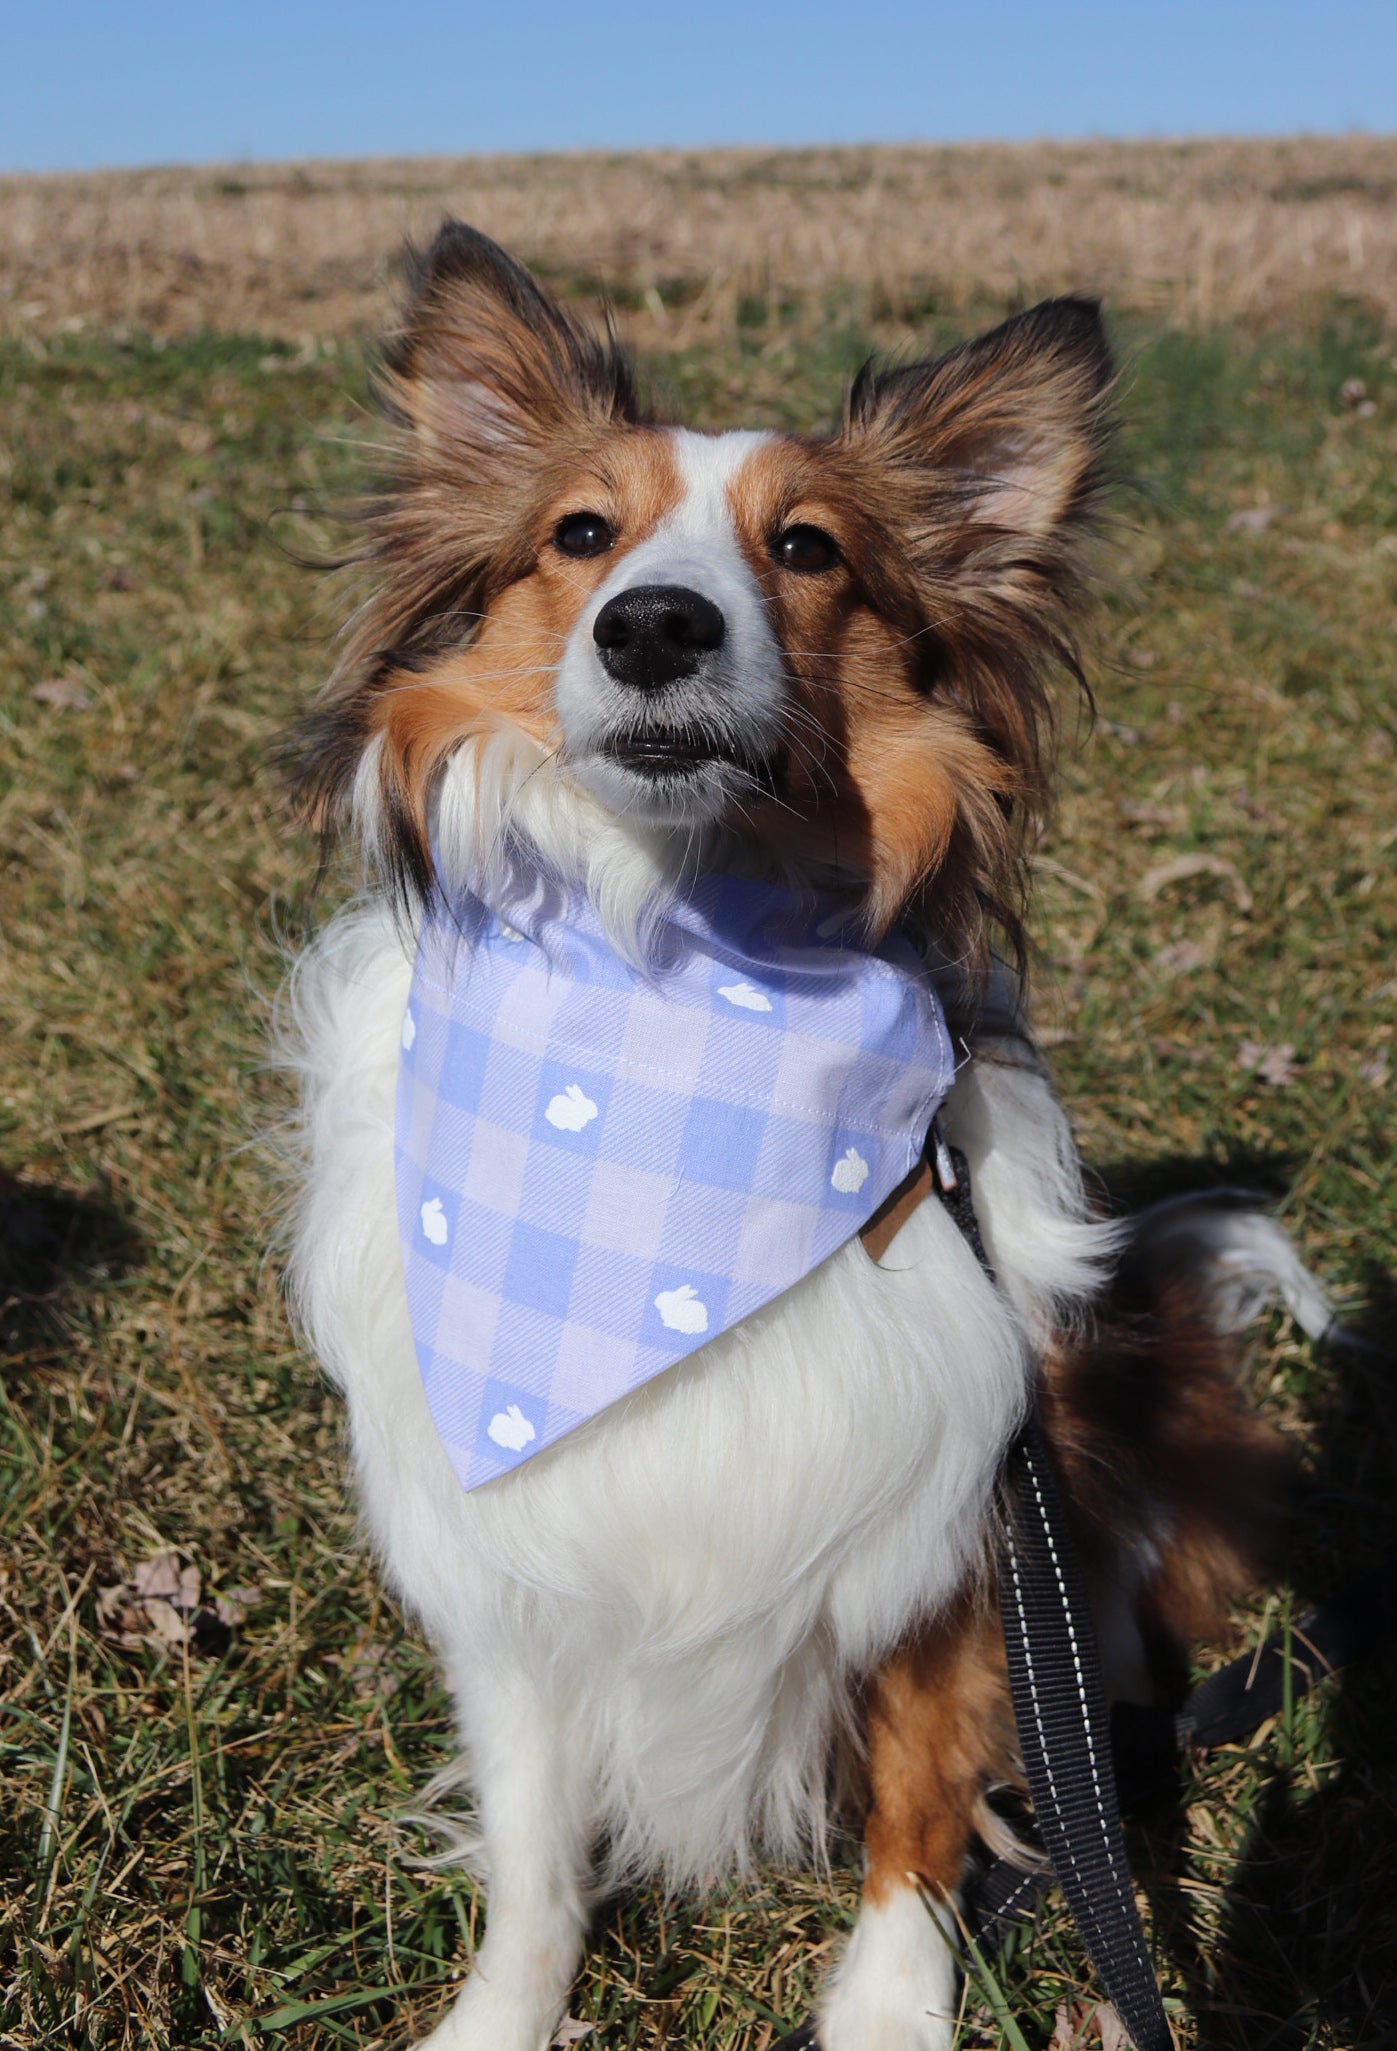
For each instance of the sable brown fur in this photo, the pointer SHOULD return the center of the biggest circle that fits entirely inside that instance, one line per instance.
(986, 581)
(494, 393)
(1156, 1447)
(1154, 1435)
(962, 492)
(940, 1731)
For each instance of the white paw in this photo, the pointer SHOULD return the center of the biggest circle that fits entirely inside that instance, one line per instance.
(485, 2018)
(895, 1989)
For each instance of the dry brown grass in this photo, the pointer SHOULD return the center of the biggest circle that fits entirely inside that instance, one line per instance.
(203, 1852)
(1197, 232)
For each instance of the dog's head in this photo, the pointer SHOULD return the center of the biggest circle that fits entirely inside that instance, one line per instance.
(835, 649)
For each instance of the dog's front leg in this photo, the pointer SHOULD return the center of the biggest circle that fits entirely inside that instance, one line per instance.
(536, 1819)
(939, 1728)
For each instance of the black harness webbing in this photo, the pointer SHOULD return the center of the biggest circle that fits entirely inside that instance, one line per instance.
(1065, 1736)
(1059, 1701)
(1147, 1744)
(1070, 1746)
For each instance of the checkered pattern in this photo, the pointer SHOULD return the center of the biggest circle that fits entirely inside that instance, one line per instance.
(600, 1168)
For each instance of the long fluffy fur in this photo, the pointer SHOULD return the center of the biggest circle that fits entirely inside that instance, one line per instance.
(708, 1705)
(663, 1630)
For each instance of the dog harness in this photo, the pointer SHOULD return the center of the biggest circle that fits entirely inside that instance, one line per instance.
(601, 1165)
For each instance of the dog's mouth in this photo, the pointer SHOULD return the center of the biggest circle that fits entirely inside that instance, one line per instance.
(674, 754)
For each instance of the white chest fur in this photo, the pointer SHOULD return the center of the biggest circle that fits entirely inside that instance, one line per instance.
(697, 1575)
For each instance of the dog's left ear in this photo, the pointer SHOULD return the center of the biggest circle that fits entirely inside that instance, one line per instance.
(984, 468)
(994, 453)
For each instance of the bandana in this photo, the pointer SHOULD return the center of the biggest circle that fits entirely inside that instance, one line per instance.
(601, 1167)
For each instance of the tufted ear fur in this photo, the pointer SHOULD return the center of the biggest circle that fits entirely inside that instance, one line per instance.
(493, 390)
(488, 369)
(987, 467)
(1006, 433)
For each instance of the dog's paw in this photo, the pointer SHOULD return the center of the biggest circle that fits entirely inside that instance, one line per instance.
(895, 1988)
(484, 2018)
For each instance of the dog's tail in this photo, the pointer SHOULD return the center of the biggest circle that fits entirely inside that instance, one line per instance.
(1181, 1488)
(1238, 1261)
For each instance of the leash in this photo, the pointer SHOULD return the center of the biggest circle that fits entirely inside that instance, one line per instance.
(1059, 1699)
(1071, 1748)
(1148, 1744)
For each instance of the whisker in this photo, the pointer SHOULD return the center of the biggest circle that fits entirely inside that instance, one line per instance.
(461, 612)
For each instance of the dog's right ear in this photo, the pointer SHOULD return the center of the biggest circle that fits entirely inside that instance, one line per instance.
(494, 389)
(486, 368)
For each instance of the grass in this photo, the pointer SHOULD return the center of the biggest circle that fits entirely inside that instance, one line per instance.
(201, 1843)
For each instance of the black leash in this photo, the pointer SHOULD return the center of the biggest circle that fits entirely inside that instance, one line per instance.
(1065, 1736)
(1071, 1747)
(1059, 1701)
(1148, 1744)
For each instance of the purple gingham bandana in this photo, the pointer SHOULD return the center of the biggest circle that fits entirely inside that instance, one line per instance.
(600, 1168)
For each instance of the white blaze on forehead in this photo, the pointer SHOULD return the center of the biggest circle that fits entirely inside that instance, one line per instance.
(707, 465)
(738, 692)
(696, 542)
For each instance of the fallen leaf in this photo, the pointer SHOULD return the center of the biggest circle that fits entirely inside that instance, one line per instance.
(1181, 866)
(369, 1668)
(1274, 1065)
(1178, 1050)
(1110, 2029)
(1079, 2023)
(163, 1605)
(1375, 1071)
(570, 2031)
(1181, 957)
(62, 692)
(1253, 519)
(162, 1575)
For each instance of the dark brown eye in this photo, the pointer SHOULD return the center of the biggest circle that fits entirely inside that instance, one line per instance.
(583, 534)
(807, 549)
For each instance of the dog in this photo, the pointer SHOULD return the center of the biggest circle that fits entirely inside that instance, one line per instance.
(601, 663)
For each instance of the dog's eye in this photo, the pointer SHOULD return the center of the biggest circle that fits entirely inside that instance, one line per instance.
(583, 534)
(808, 549)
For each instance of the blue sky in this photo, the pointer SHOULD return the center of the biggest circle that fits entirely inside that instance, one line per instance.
(87, 83)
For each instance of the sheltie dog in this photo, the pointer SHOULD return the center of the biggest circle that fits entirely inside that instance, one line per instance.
(756, 1595)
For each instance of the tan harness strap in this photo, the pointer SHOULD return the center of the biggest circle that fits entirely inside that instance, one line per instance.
(896, 1208)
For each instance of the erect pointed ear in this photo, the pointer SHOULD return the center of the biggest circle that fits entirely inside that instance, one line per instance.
(983, 469)
(487, 367)
(494, 389)
(997, 447)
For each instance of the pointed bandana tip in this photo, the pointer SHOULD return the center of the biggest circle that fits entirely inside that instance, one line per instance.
(600, 1168)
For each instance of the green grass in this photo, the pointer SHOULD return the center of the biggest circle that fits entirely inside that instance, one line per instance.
(199, 1850)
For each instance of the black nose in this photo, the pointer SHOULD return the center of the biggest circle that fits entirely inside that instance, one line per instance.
(656, 633)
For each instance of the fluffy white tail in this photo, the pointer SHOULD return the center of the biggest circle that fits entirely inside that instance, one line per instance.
(1240, 1259)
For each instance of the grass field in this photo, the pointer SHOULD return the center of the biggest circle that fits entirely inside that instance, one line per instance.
(199, 1837)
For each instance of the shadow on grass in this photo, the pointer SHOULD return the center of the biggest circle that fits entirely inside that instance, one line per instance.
(1132, 1185)
(54, 1245)
(1304, 1950)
